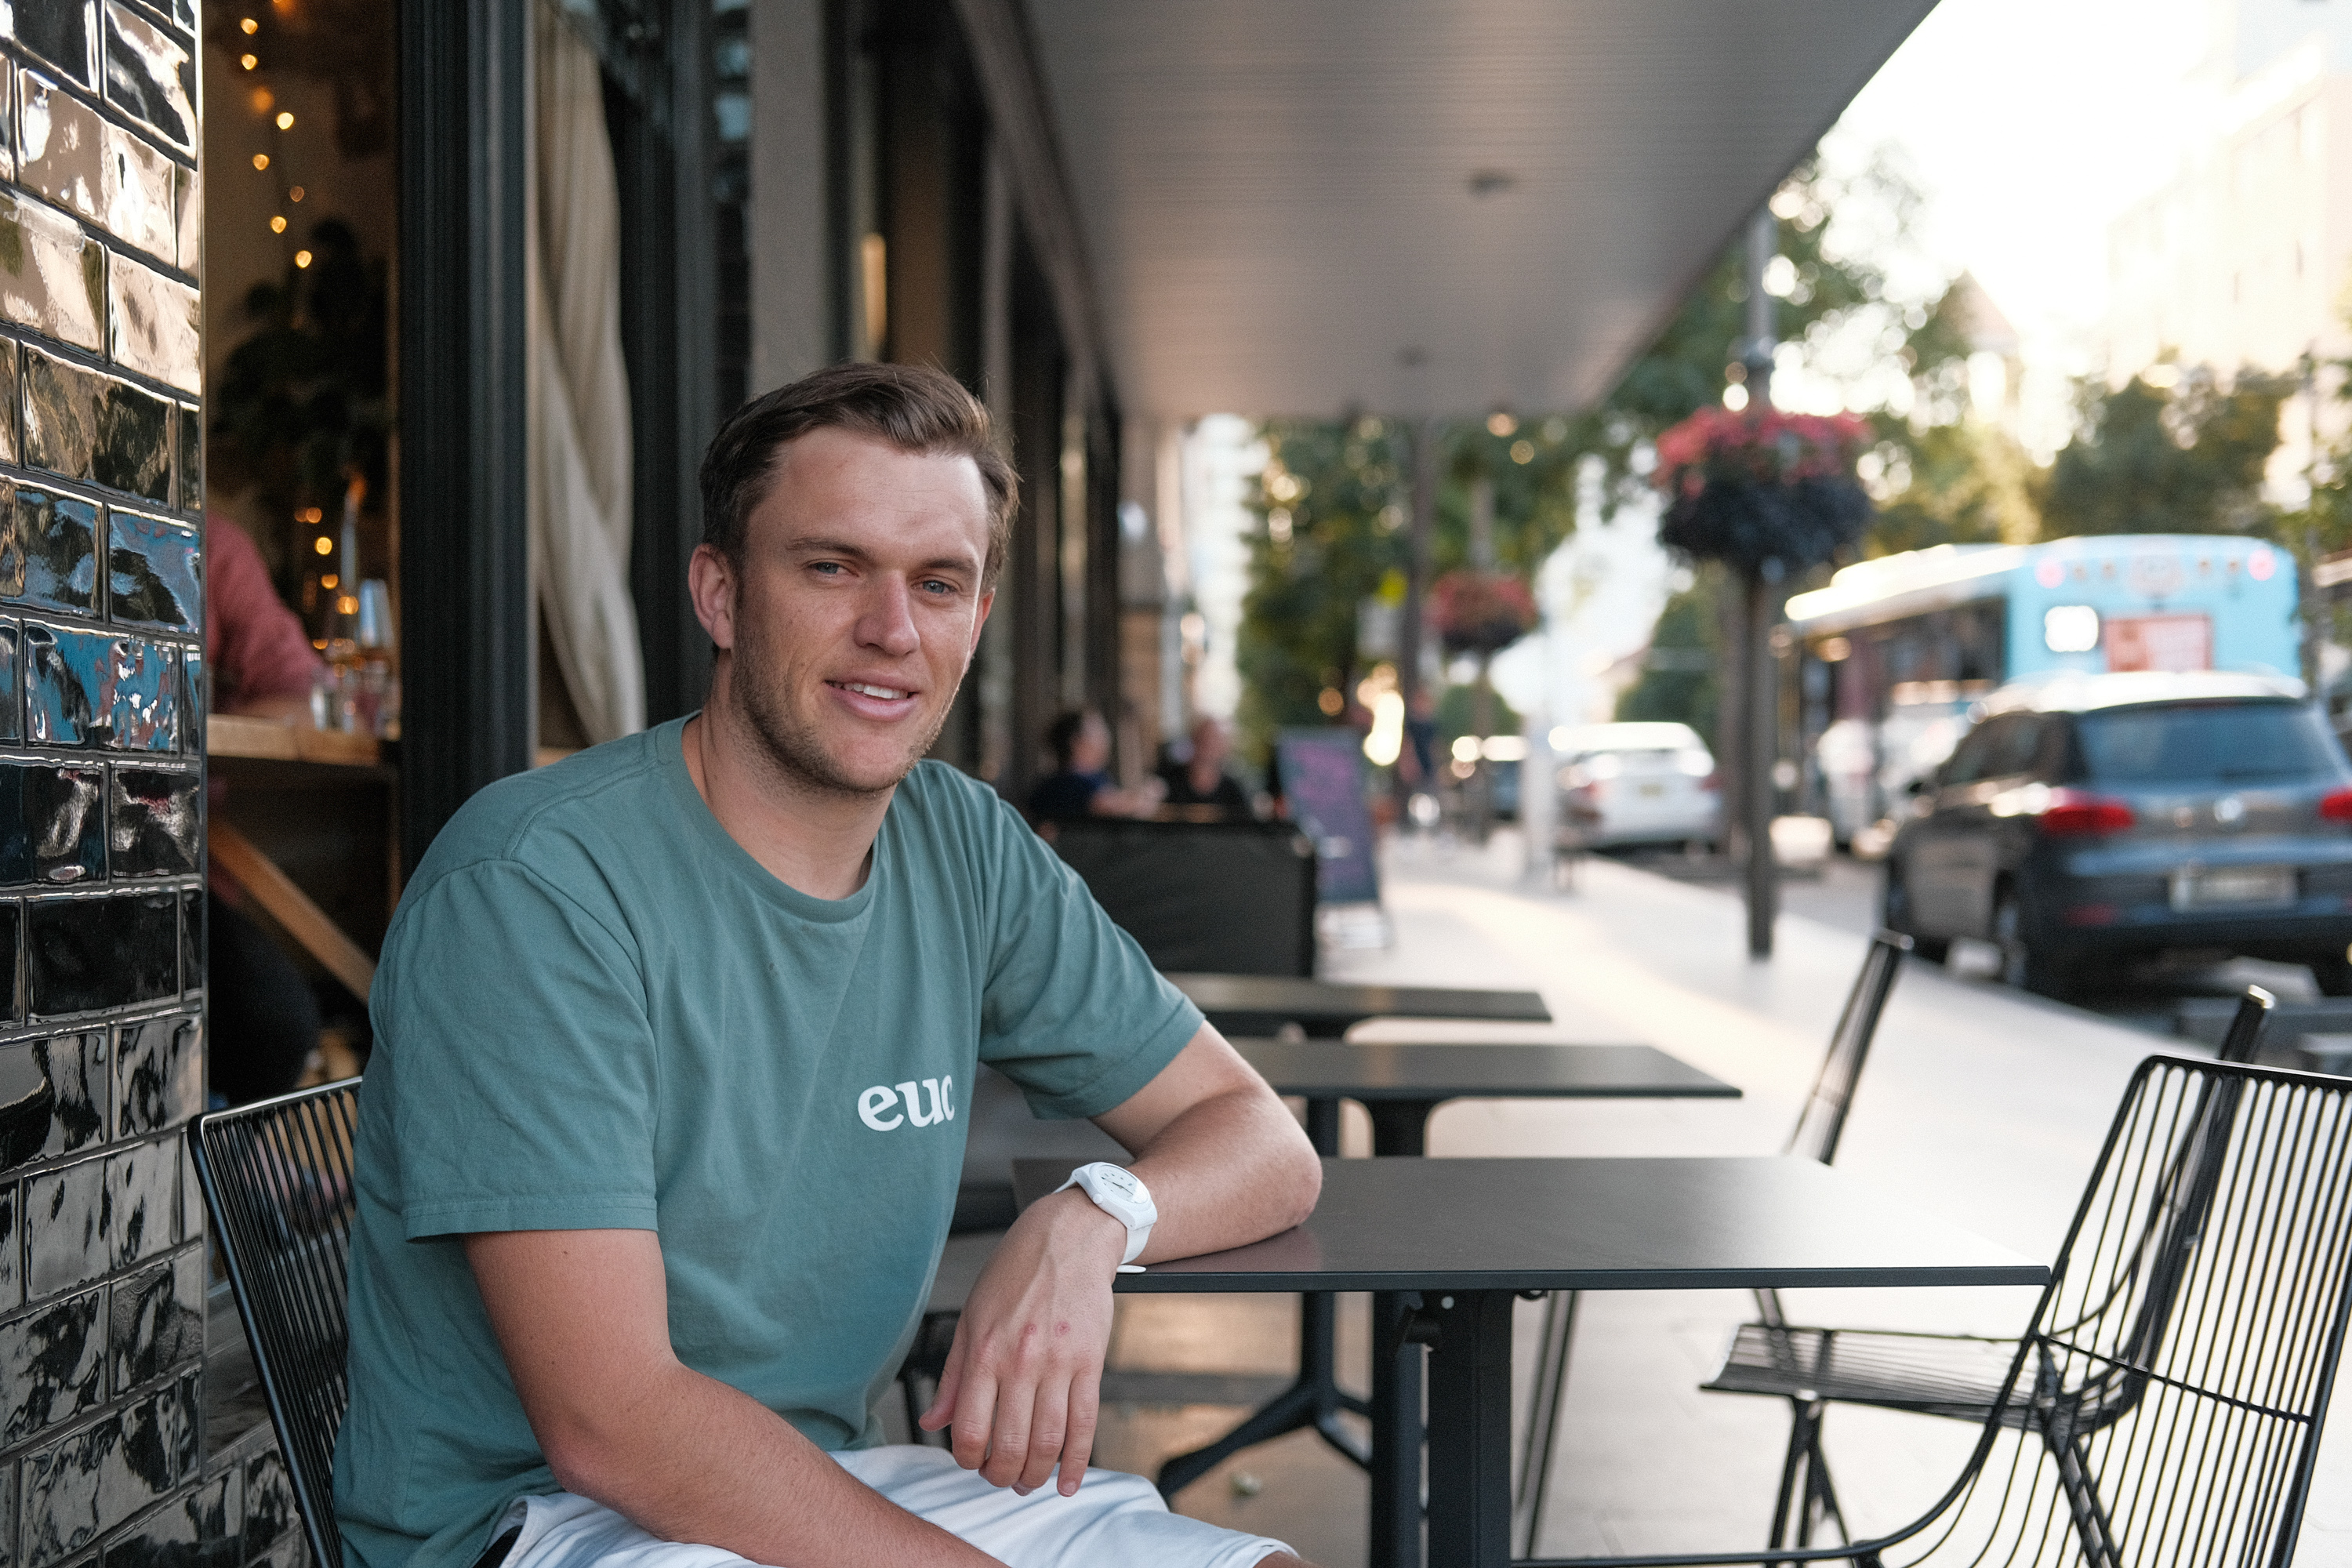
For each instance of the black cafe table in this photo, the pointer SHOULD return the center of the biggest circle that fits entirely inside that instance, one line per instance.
(1456, 1240)
(1262, 1003)
(1400, 1085)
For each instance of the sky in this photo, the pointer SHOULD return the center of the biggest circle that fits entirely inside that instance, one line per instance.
(2030, 124)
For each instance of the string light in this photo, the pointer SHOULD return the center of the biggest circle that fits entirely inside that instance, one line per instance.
(323, 545)
(263, 100)
(301, 259)
(285, 119)
(261, 160)
(248, 61)
(277, 225)
(296, 193)
(328, 581)
(251, 26)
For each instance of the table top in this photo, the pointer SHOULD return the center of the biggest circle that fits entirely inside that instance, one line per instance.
(1308, 1000)
(1424, 1072)
(282, 740)
(1586, 1224)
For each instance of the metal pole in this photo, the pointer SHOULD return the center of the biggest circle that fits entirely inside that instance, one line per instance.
(1758, 795)
(1420, 528)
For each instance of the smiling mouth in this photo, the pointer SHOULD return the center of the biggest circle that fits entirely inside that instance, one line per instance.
(884, 693)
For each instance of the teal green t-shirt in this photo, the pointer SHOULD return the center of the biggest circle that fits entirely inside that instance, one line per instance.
(595, 1010)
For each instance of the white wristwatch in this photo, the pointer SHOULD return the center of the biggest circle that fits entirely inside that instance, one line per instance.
(1116, 1192)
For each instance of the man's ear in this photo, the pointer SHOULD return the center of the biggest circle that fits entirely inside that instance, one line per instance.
(711, 584)
(979, 623)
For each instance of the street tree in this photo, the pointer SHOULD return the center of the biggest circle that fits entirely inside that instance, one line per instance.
(2188, 458)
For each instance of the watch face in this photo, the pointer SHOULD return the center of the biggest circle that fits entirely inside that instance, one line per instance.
(1116, 1179)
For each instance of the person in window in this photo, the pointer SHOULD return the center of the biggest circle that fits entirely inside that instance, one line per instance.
(1080, 786)
(265, 1016)
(1199, 782)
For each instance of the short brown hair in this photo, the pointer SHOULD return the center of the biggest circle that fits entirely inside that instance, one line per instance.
(914, 407)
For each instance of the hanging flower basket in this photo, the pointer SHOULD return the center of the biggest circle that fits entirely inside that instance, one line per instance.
(1760, 486)
(1480, 612)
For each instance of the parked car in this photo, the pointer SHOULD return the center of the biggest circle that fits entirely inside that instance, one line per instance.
(1636, 784)
(2087, 820)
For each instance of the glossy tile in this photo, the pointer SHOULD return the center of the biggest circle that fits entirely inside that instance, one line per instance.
(53, 1097)
(195, 701)
(12, 1260)
(156, 325)
(191, 939)
(10, 451)
(52, 1366)
(159, 1075)
(49, 551)
(151, 822)
(149, 75)
(188, 188)
(139, 195)
(66, 1229)
(62, 143)
(269, 1514)
(78, 1489)
(64, 818)
(52, 275)
(133, 447)
(156, 1319)
(90, 688)
(151, 572)
(87, 953)
(143, 1188)
(56, 30)
(198, 1530)
(12, 926)
(192, 1195)
(188, 453)
(11, 687)
(60, 405)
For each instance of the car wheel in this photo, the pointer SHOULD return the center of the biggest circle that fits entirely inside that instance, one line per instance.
(1895, 914)
(2026, 967)
(2333, 975)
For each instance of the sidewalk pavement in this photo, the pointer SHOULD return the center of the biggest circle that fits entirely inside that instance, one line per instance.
(1981, 1105)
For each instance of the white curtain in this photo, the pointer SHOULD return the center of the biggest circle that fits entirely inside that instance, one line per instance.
(580, 437)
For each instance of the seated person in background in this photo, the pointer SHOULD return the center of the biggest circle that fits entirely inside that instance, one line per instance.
(675, 1048)
(265, 1016)
(1201, 780)
(1081, 786)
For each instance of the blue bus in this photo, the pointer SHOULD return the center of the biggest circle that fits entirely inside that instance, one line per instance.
(1892, 655)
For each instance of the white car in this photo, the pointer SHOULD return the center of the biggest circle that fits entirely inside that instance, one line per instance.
(1635, 783)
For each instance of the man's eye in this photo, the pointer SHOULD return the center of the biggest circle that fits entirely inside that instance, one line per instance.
(830, 568)
(934, 585)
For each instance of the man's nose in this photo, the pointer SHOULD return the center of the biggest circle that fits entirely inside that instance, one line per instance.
(888, 624)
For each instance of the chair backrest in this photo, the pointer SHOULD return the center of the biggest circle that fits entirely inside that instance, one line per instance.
(277, 1176)
(1230, 897)
(1823, 1121)
(2246, 1025)
(2168, 1400)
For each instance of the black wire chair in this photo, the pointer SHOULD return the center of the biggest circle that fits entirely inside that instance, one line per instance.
(276, 1175)
(2164, 1406)
(1819, 1126)
(1927, 1374)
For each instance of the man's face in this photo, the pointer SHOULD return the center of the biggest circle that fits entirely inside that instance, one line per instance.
(855, 608)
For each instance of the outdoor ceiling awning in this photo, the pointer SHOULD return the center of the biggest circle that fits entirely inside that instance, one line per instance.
(1301, 206)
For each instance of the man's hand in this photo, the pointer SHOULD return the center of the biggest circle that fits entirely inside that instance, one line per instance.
(1024, 1374)
(1225, 1164)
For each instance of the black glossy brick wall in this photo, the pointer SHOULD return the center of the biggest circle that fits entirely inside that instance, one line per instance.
(102, 1265)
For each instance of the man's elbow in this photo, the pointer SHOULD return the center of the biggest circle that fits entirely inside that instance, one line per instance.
(1301, 1181)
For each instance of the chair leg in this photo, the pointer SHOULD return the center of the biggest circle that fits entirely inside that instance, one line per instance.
(2092, 1526)
(1820, 1496)
(1544, 1397)
(1793, 1493)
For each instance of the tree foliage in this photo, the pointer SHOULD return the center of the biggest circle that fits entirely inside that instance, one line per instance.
(2187, 459)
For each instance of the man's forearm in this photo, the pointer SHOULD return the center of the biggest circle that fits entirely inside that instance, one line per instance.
(1234, 1169)
(698, 1461)
(580, 1318)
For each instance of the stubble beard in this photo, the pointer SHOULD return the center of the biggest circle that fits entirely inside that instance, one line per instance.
(795, 749)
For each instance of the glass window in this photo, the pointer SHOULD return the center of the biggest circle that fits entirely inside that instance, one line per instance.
(2225, 740)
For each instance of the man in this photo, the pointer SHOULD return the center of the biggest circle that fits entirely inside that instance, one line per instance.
(661, 1136)
(1080, 786)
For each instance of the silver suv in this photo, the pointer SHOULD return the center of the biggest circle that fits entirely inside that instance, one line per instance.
(2086, 820)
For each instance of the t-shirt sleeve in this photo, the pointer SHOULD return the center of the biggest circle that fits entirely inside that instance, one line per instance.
(512, 1034)
(1073, 1011)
